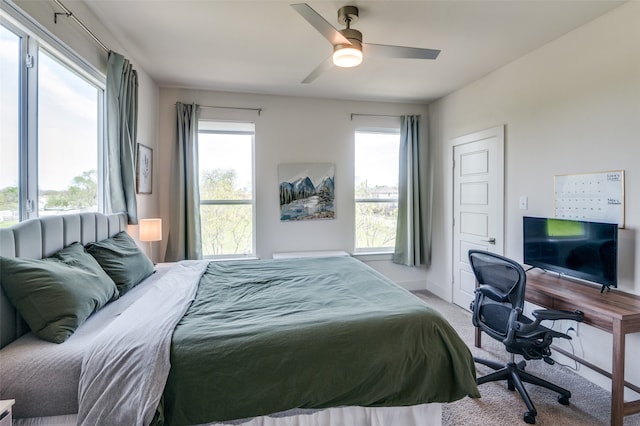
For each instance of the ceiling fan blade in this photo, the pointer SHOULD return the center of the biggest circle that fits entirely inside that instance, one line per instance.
(320, 24)
(387, 51)
(325, 65)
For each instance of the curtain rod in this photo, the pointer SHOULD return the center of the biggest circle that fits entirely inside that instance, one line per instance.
(69, 14)
(353, 114)
(258, 110)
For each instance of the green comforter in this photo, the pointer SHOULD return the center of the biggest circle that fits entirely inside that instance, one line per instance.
(272, 335)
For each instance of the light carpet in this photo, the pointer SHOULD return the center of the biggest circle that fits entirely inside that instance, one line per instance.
(590, 404)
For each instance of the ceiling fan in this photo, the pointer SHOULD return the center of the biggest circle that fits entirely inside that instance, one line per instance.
(348, 48)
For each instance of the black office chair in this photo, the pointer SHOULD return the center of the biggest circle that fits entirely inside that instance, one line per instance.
(497, 310)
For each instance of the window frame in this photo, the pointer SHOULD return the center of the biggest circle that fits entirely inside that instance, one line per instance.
(226, 202)
(372, 250)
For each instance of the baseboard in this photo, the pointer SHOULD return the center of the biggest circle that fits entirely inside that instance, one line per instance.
(443, 292)
(412, 285)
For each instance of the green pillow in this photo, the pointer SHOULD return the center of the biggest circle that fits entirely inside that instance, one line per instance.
(122, 260)
(57, 294)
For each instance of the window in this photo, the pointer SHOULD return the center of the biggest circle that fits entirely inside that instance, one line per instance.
(376, 190)
(9, 125)
(67, 123)
(225, 162)
(51, 121)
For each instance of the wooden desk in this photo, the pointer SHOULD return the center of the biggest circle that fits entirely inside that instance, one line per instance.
(614, 312)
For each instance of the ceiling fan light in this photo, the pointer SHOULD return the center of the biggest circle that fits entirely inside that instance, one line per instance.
(347, 57)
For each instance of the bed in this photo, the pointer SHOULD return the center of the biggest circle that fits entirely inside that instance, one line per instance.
(268, 342)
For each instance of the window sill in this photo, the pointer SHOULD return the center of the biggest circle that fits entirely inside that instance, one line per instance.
(222, 259)
(370, 256)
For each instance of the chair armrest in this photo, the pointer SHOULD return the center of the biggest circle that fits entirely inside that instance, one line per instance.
(556, 314)
(542, 315)
(513, 325)
(492, 293)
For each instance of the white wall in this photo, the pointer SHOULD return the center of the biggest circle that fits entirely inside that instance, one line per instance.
(67, 31)
(291, 130)
(572, 106)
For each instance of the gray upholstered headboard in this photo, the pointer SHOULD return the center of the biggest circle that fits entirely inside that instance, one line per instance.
(42, 237)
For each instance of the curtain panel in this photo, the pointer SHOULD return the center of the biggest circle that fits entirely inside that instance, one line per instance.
(413, 233)
(184, 227)
(121, 133)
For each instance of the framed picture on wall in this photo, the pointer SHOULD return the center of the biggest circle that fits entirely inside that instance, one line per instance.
(306, 191)
(144, 169)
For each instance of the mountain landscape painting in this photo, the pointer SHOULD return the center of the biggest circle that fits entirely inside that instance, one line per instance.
(307, 191)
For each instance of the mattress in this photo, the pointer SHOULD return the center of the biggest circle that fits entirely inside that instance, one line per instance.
(43, 378)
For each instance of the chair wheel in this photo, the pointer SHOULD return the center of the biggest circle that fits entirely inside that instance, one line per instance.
(530, 418)
(511, 387)
(564, 400)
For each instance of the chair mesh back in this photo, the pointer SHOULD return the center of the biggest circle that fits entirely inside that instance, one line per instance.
(507, 280)
(495, 316)
(500, 273)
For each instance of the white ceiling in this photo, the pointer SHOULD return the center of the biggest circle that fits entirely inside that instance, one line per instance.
(267, 47)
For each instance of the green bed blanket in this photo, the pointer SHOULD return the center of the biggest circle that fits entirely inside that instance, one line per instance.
(271, 335)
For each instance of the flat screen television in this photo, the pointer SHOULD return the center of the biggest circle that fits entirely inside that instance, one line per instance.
(579, 249)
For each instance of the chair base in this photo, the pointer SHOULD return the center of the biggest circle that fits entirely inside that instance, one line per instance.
(515, 376)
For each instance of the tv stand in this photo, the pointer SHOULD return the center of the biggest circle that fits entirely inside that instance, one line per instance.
(615, 312)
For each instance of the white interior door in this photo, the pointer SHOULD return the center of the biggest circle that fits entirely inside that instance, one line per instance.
(478, 204)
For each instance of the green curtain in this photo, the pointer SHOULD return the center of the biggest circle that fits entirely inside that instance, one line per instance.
(413, 233)
(121, 133)
(184, 226)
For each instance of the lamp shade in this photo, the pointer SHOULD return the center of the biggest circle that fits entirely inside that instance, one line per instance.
(150, 229)
(347, 57)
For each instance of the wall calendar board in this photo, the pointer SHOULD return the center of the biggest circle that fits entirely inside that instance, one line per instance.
(597, 197)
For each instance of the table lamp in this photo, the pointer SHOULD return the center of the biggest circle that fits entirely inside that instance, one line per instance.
(150, 230)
